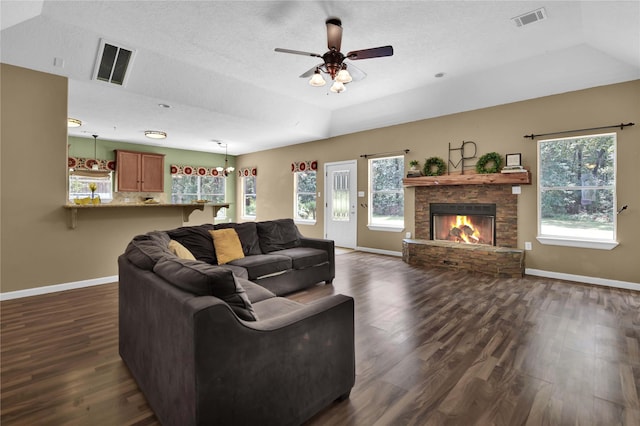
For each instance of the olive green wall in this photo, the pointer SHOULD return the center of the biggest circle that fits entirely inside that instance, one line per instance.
(83, 147)
(499, 129)
(37, 246)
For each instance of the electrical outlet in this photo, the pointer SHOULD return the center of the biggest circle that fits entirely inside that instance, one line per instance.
(527, 245)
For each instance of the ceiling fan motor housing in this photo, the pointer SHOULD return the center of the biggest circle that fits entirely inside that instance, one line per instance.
(333, 61)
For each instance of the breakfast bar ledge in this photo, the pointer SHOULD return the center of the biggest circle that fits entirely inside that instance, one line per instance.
(187, 209)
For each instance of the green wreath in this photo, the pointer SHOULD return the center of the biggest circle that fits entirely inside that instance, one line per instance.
(492, 157)
(429, 163)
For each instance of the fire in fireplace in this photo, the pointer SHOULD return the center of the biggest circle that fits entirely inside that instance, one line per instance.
(469, 223)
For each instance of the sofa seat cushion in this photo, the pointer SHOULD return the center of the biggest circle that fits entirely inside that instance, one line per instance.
(238, 271)
(263, 264)
(278, 235)
(203, 279)
(144, 251)
(304, 257)
(276, 307)
(197, 240)
(256, 293)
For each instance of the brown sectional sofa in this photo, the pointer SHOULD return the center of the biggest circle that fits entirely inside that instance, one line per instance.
(207, 345)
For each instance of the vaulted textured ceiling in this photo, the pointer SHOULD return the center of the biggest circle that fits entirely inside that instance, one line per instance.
(214, 63)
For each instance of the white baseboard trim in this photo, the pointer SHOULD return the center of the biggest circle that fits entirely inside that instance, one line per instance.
(56, 287)
(378, 251)
(583, 279)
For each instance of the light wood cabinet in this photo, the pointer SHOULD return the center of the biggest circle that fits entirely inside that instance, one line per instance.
(139, 171)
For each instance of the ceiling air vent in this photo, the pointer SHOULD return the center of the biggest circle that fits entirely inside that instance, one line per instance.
(112, 63)
(530, 17)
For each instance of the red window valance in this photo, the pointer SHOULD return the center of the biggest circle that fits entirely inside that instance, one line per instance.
(247, 171)
(195, 170)
(304, 166)
(78, 163)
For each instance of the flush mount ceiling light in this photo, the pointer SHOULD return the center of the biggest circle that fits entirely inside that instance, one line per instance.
(155, 134)
(73, 122)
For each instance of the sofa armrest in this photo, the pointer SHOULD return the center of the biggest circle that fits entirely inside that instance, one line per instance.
(278, 371)
(322, 244)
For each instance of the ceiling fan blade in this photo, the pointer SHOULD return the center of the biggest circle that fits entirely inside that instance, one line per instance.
(310, 72)
(375, 52)
(297, 52)
(334, 33)
(356, 73)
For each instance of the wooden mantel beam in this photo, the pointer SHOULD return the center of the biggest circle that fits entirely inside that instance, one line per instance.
(470, 179)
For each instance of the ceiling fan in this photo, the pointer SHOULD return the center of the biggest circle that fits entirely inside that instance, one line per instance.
(334, 64)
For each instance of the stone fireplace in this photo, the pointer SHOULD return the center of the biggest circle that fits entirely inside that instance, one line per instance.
(441, 235)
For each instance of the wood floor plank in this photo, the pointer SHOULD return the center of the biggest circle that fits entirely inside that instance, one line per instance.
(433, 347)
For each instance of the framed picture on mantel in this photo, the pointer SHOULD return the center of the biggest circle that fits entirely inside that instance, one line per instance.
(513, 160)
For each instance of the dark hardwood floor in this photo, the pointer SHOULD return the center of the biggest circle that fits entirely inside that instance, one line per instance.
(433, 347)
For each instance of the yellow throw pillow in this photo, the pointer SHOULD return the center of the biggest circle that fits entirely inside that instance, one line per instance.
(227, 245)
(179, 250)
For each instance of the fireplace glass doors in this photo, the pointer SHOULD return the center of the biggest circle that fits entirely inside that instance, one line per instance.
(468, 223)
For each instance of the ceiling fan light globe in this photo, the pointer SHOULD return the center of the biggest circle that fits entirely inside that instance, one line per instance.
(338, 87)
(317, 80)
(343, 76)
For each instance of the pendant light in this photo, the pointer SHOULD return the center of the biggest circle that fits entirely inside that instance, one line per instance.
(226, 170)
(94, 166)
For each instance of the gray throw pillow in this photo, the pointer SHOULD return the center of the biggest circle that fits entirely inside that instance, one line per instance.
(203, 279)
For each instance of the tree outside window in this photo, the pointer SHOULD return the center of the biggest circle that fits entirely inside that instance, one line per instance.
(305, 196)
(186, 189)
(249, 196)
(386, 194)
(577, 187)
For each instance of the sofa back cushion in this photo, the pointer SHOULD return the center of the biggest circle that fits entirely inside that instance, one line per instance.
(203, 279)
(278, 235)
(145, 250)
(248, 234)
(197, 240)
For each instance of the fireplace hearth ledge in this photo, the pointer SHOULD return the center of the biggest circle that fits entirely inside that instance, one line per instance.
(506, 262)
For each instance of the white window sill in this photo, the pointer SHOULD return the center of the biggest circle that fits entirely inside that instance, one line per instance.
(592, 244)
(248, 218)
(304, 222)
(385, 228)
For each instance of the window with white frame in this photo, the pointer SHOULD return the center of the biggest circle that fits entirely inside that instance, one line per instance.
(386, 194)
(79, 183)
(577, 191)
(304, 208)
(186, 189)
(249, 196)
